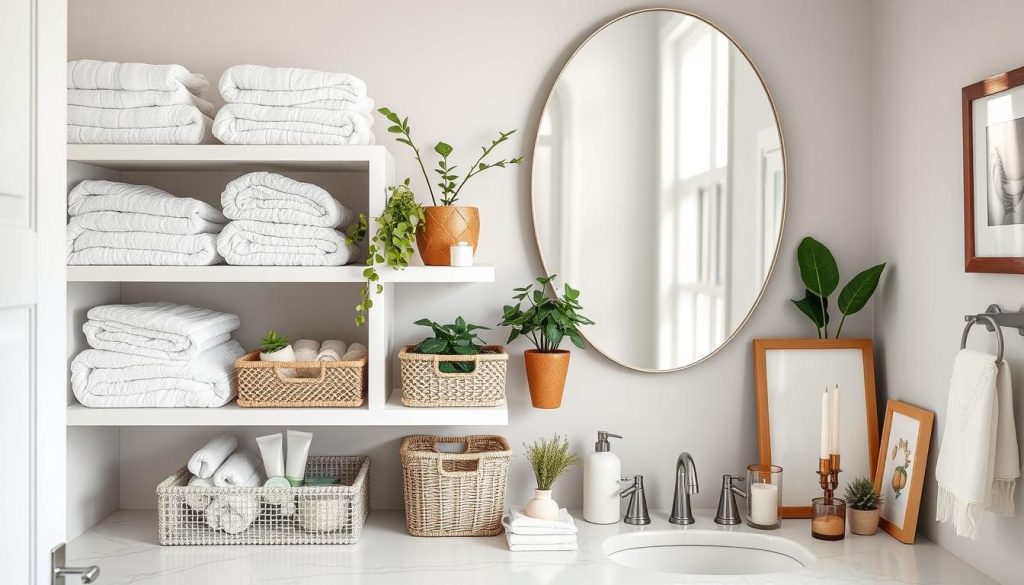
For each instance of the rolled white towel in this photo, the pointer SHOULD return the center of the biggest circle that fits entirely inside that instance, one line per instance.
(306, 350)
(242, 469)
(356, 351)
(210, 456)
(331, 351)
(320, 513)
(199, 501)
(233, 513)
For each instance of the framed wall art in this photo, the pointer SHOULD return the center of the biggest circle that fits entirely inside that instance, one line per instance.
(902, 458)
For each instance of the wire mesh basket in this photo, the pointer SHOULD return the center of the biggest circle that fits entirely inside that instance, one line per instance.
(425, 385)
(321, 514)
(278, 384)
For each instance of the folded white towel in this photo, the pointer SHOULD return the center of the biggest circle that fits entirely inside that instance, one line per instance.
(258, 243)
(267, 86)
(154, 125)
(199, 501)
(116, 221)
(108, 379)
(233, 513)
(89, 74)
(88, 247)
(538, 546)
(160, 330)
(331, 351)
(534, 539)
(122, 99)
(979, 462)
(210, 456)
(263, 196)
(90, 196)
(518, 522)
(251, 124)
(241, 469)
(356, 351)
(306, 350)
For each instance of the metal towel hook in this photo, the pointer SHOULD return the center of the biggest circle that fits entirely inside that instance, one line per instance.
(992, 326)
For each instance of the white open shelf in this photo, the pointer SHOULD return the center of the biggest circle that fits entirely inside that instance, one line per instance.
(352, 273)
(225, 157)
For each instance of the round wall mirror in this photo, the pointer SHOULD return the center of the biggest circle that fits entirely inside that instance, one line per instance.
(659, 187)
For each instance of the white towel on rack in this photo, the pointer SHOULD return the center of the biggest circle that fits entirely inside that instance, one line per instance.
(90, 74)
(176, 124)
(198, 501)
(108, 379)
(160, 330)
(233, 513)
(212, 455)
(88, 247)
(287, 86)
(120, 99)
(241, 469)
(252, 124)
(258, 243)
(91, 196)
(979, 462)
(264, 196)
(518, 522)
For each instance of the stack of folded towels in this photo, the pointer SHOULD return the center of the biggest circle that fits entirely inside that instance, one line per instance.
(156, 355)
(524, 533)
(292, 106)
(219, 464)
(277, 221)
(119, 223)
(136, 103)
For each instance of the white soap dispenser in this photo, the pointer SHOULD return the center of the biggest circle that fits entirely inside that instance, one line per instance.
(602, 470)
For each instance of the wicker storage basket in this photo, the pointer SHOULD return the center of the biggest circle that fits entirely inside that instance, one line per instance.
(328, 514)
(425, 385)
(454, 494)
(264, 385)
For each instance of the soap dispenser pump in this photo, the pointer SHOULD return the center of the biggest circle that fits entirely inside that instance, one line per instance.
(602, 470)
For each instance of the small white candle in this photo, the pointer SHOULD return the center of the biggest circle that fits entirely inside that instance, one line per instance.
(825, 434)
(462, 254)
(834, 424)
(764, 504)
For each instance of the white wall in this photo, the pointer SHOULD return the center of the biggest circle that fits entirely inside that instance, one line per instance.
(462, 70)
(925, 51)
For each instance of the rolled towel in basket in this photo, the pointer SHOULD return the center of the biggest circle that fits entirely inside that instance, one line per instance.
(242, 469)
(233, 513)
(199, 501)
(306, 350)
(331, 351)
(356, 351)
(211, 456)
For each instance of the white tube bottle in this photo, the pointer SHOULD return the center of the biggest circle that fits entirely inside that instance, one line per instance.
(602, 470)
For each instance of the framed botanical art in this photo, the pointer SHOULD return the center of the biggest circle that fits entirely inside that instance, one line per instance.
(790, 376)
(902, 458)
(993, 128)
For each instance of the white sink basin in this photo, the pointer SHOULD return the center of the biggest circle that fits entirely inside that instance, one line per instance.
(707, 552)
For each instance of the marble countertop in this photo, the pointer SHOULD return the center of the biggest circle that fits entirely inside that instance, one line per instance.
(124, 546)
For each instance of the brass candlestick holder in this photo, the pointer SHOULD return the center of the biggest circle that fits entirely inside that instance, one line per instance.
(828, 513)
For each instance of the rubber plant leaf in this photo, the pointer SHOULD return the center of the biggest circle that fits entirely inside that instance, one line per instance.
(856, 293)
(818, 267)
(811, 306)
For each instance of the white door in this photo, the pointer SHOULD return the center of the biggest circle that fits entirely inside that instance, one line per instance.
(33, 364)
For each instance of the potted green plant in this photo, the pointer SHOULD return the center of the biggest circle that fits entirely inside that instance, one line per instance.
(546, 321)
(820, 274)
(275, 347)
(453, 367)
(549, 459)
(864, 502)
(447, 224)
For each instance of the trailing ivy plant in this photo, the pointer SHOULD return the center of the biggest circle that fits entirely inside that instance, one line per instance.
(457, 338)
(391, 245)
(549, 459)
(449, 183)
(820, 274)
(546, 320)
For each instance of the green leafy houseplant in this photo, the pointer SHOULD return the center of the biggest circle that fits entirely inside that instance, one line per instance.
(548, 319)
(861, 495)
(457, 338)
(549, 459)
(273, 342)
(449, 182)
(820, 274)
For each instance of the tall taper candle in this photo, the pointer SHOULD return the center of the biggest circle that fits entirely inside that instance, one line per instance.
(834, 424)
(825, 433)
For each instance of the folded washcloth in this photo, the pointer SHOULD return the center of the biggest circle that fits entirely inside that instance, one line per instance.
(121, 99)
(251, 124)
(90, 196)
(233, 513)
(531, 538)
(306, 350)
(89, 74)
(286, 86)
(212, 455)
(195, 499)
(263, 196)
(88, 247)
(538, 546)
(979, 462)
(356, 351)
(518, 522)
(160, 330)
(331, 351)
(176, 124)
(258, 243)
(241, 469)
(108, 379)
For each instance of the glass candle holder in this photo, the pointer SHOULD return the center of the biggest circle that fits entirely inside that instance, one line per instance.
(828, 519)
(764, 500)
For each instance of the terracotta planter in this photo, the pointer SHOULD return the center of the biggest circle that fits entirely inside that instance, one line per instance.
(445, 227)
(545, 372)
(864, 521)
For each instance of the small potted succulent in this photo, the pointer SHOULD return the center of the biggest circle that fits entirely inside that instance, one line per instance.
(546, 321)
(447, 224)
(864, 502)
(549, 459)
(276, 348)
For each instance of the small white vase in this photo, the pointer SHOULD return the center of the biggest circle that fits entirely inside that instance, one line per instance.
(542, 507)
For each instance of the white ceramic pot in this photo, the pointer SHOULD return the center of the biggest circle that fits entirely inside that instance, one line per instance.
(542, 507)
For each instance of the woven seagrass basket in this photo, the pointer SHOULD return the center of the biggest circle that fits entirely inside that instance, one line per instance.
(425, 385)
(274, 384)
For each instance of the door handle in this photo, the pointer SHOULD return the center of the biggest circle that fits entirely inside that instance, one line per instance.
(59, 571)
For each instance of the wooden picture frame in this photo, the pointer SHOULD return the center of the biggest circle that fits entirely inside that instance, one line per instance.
(849, 362)
(986, 248)
(914, 426)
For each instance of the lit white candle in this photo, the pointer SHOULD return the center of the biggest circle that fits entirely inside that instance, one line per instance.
(825, 434)
(764, 504)
(834, 425)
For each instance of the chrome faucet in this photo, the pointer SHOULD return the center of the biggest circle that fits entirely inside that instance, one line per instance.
(728, 513)
(686, 484)
(636, 511)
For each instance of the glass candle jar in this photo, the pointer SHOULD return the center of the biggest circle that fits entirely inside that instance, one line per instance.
(828, 519)
(764, 499)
